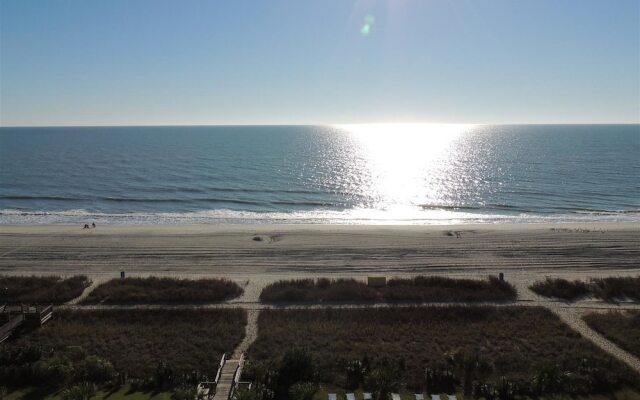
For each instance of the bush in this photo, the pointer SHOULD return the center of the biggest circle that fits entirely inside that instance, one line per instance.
(418, 289)
(41, 289)
(614, 288)
(97, 370)
(439, 289)
(609, 289)
(163, 290)
(560, 288)
(308, 290)
(296, 366)
(82, 391)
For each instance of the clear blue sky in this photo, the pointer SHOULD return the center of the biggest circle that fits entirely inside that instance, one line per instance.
(129, 62)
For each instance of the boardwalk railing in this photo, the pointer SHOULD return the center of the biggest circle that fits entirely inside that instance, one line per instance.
(222, 361)
(7, 329)
(236, 377)
(17, 315)
(208, 389)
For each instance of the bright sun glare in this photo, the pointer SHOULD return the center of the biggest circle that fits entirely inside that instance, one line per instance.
(399, 157)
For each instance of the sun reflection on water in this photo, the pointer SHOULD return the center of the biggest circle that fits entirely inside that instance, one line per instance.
(404, 163)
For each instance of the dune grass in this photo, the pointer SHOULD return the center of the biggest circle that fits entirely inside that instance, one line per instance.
(310, 290)
(561, 288)
(154, 290)
(617, 288)
(515, 341)
(610, 289)
(622, 328)
(136, 341)
(440, 289)
(41, 289)
(418, 289)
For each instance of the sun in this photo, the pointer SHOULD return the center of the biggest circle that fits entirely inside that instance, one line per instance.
(401, 158)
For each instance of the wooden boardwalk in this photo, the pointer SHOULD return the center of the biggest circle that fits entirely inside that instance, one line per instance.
(7, 329)
(226, 382)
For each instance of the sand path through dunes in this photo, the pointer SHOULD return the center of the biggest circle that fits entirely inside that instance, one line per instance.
(573, 318)
(290, 250)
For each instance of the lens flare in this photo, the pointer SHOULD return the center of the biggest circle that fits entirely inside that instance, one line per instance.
(369, 20)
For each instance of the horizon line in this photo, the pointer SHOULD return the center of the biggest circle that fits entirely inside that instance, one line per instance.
(313, 124)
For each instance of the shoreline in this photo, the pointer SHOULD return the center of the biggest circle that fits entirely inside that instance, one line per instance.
(202, 227)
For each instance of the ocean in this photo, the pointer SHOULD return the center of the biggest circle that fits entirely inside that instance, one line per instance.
(351, 174)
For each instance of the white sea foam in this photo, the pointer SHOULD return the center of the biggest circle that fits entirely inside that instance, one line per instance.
(350, 217)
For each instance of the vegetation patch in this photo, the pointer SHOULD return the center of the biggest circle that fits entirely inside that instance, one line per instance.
(434, 289)
(610, 289)
(418, 289)
(622, 328)
(155, 290)
(41, 289)
(615, 289)
(561, 288)
(309, 290)
(163, 346)
(522, 350)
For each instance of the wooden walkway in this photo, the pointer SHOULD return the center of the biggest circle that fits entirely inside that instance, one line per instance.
(18, 315)
(7, 329)
(226, 382)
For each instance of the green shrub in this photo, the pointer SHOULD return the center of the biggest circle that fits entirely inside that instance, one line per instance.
(418, 289)
(560, 288)
(163, 290)
(41, 289)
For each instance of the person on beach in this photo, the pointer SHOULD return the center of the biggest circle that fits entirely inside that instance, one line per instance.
(93, 224)
(86, 226)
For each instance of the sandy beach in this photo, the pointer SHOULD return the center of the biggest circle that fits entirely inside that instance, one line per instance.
(275, 251)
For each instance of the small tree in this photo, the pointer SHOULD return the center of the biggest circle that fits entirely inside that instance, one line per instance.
(469, 367)
(296, 366)
(356, 372)
(548, 379)
(97, 370)
(382, 381)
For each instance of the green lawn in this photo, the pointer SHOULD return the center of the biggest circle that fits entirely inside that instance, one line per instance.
(121, 394)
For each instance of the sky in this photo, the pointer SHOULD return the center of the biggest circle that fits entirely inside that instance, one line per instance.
(184, 62)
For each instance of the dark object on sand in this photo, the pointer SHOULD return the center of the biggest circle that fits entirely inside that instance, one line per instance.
(257, 239)
(86, 226)
(121, 274)
(93, 224)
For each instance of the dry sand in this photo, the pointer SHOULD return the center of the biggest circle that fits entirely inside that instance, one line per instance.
(318, 250)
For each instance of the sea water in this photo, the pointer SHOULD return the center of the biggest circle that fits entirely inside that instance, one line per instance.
(351, 174)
